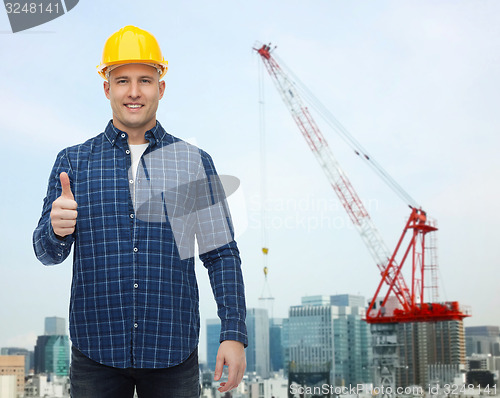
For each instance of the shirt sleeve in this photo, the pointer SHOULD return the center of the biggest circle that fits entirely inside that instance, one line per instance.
(220, 255)
(48, 248)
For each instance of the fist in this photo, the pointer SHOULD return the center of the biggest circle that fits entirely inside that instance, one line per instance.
(63, 214)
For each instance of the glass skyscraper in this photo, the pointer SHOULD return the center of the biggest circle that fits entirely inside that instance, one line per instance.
(276, 344)
(52, 355)
(328, 332)
(52, 349)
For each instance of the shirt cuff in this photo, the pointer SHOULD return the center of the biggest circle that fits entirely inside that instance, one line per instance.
(59, 245)
(234, 330)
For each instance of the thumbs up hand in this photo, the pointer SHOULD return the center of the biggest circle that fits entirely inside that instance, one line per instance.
(63, 214)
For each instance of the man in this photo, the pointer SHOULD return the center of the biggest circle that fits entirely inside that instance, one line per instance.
(130, 201)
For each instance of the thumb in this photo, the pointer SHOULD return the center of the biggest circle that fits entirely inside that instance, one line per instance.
(66, 188)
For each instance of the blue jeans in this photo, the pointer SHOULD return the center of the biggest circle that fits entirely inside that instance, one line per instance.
(90, 379)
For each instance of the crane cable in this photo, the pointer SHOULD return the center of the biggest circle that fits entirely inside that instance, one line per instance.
(266, 292)
(354, 144)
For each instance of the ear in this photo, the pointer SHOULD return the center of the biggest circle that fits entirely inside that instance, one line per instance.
(162, 88)
(106, 89)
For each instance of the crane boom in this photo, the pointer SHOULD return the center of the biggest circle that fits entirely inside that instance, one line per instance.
(336, 176)
(411, 306)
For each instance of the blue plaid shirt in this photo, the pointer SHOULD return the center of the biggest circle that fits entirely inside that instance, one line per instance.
(134, 296)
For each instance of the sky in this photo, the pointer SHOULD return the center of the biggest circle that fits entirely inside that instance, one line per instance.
(416, 82)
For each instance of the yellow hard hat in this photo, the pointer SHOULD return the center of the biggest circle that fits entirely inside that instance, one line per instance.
(131, 45)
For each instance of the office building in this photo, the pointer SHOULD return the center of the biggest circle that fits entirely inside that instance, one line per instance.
(52, 349)
(352, 342)
(482, 340)
(8, 386)
(213, 338)
(315, 300)
(348, 300)
(28, 355)
(483, 362)
(257, 352)
(276, 350)
(55, 326)
(52, 355)
(328, 332)
(310, 338)
(285, 332)
(12, 366)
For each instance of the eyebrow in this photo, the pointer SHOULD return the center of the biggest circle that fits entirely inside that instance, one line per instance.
(128, 77)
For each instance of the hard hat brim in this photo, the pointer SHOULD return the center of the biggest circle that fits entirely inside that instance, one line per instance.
(101, 69)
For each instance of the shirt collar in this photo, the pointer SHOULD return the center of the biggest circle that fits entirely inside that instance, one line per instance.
(156, 135)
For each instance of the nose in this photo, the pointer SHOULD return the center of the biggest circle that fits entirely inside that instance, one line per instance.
(134, 91)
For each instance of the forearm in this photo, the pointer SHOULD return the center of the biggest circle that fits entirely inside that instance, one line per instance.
(224, 267)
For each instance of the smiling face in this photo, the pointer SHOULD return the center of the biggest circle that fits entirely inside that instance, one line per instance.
(134, 91)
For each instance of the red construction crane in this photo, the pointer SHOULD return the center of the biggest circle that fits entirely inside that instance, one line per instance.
(412, 245)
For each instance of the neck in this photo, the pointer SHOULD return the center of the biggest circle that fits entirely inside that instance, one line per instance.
(136, 138)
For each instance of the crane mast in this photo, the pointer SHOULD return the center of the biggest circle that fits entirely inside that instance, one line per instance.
(410, 305)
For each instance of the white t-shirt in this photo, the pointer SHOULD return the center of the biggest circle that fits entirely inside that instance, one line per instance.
(136, 152)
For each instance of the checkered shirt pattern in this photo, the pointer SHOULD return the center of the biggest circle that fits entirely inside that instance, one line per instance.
(134, 296)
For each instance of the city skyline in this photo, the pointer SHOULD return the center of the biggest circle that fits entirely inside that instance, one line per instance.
(416, 83)
(328, 331)
(480, 366)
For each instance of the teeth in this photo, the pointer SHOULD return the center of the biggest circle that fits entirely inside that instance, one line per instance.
(133, 106)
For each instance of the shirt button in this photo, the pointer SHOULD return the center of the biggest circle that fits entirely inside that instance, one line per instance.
(131, 216)
(127, 151)
(136, 325)
(123, 135)
(131, 181)
(136, 249)
(136, 285)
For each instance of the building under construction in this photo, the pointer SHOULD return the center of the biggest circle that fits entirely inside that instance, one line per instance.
(430, 352)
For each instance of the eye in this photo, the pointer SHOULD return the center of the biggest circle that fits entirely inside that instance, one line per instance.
(121, 81)
(146, 81)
